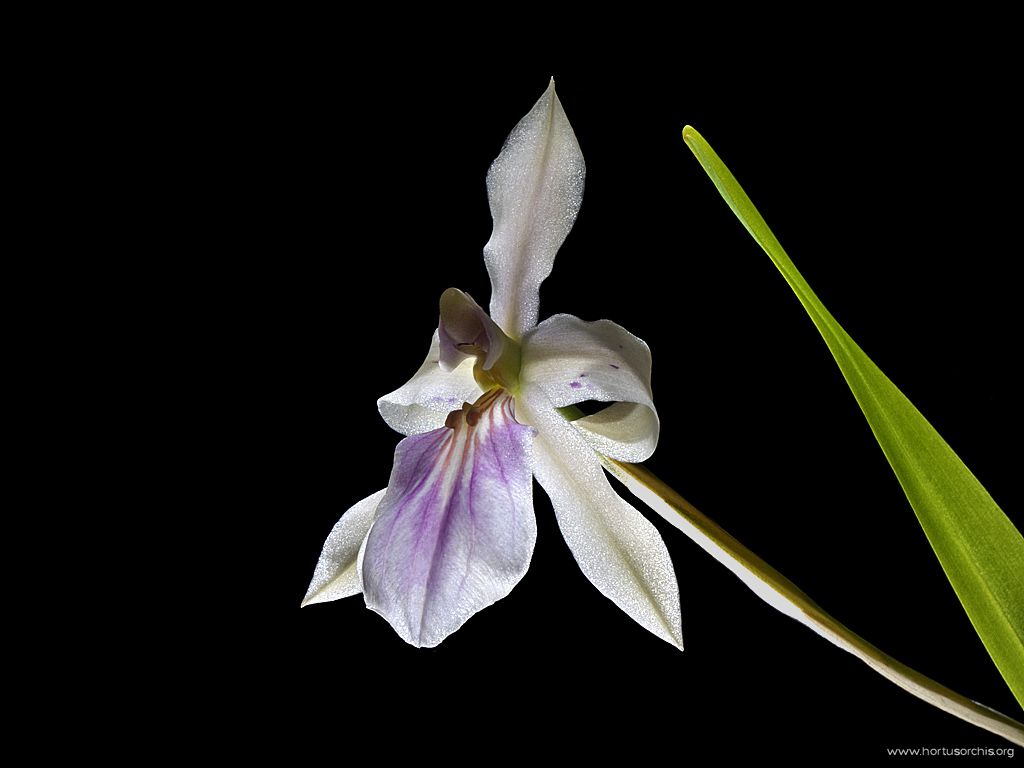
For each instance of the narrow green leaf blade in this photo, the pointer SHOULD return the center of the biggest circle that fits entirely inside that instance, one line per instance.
(979, 548)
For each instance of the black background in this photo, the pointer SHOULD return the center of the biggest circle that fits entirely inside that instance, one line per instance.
(344, 196)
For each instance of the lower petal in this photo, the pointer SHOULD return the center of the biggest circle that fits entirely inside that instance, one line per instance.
(616, 547)
(336, 574)
(455, 531)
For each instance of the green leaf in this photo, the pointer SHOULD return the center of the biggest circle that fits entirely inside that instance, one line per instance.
(980, 550)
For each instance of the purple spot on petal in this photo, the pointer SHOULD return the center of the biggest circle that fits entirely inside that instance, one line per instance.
(583, 375)
(575, 384)
(613, 365)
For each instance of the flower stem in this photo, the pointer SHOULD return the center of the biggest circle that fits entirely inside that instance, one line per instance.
(783, 595)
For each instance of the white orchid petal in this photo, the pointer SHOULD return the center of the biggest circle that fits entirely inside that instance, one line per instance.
(572, 360)
(535, 187)
(423, 402)
(456, 530)
(616, 547)
(336, 575)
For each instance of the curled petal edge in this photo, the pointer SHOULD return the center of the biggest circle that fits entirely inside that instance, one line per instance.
(572, 360)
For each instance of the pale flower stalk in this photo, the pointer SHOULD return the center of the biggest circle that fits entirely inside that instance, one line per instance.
(455, 529)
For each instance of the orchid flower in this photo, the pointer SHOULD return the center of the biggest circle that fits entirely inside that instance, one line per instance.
(454, 530)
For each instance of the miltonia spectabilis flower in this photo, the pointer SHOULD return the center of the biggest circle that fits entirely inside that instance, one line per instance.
(454, 530)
